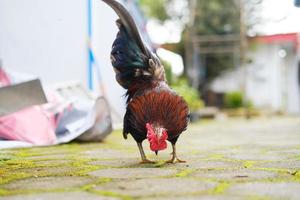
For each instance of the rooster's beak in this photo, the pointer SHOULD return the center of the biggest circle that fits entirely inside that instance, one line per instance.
(156, 152)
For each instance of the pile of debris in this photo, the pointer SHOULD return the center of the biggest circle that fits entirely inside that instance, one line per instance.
(31, 117)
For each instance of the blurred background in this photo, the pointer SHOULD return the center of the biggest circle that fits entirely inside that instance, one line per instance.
(227, 58)
(240, 57)
(235, 62)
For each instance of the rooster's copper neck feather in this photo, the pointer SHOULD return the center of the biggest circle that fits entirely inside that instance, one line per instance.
(163, 108)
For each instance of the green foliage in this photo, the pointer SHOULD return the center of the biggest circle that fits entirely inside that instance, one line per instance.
(233, 100)
(168, 71)
(155, 9)
(191, 95)
(182, 87)
(236, 100)
(217, 17)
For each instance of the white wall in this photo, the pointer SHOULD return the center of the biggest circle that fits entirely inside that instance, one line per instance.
(293, 88)
(45, 38)
(263, 78)
(48, 38)
(230, 81)
(272, 80)
(104, 33)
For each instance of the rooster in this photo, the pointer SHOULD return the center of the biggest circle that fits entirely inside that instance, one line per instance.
(154, 111)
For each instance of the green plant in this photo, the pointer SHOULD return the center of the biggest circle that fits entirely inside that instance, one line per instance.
(236, 100)
(248, 104)
(168, 71)
(233, 100)
(181, 86)
(155, 9)
(191, 95)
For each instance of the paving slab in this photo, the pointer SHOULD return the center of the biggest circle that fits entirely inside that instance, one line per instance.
(133, 172)
(212, 164)
(47, 183)
(107, 153)
(127, 162)
(51, 162)
(236, 174)
(286, 164)
(155, 186)
(197, 197)
(49, 157)
(46, 170)
(281, 190)
(256, 155)
(57, 196)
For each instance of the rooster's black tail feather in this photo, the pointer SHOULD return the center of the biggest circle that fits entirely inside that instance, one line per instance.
(130, 57)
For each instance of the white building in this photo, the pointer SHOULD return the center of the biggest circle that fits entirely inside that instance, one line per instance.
(51, 39)
(272, 74)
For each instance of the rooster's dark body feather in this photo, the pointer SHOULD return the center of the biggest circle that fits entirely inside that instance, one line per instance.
(149, 98)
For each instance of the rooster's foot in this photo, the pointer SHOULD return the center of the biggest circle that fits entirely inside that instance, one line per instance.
(146, 161)
(143, 156)
(174, 156)
(180, 161)
(170, 161)
(173, 160)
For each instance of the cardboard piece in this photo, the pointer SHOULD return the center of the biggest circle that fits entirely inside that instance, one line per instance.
(19, 96)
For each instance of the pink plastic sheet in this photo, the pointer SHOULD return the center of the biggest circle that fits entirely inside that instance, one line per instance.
(4, 79)
(34, 124)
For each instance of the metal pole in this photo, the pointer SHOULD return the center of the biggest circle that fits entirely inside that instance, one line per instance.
(90, 54)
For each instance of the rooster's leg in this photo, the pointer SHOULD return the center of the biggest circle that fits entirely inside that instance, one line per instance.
(143, 156)
(174, 156)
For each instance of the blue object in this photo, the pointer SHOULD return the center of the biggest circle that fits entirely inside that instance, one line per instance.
(297, 3)
(90, 53)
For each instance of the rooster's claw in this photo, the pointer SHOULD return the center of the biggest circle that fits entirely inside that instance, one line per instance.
(174, 161)
(146, 161)
(181, 161)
